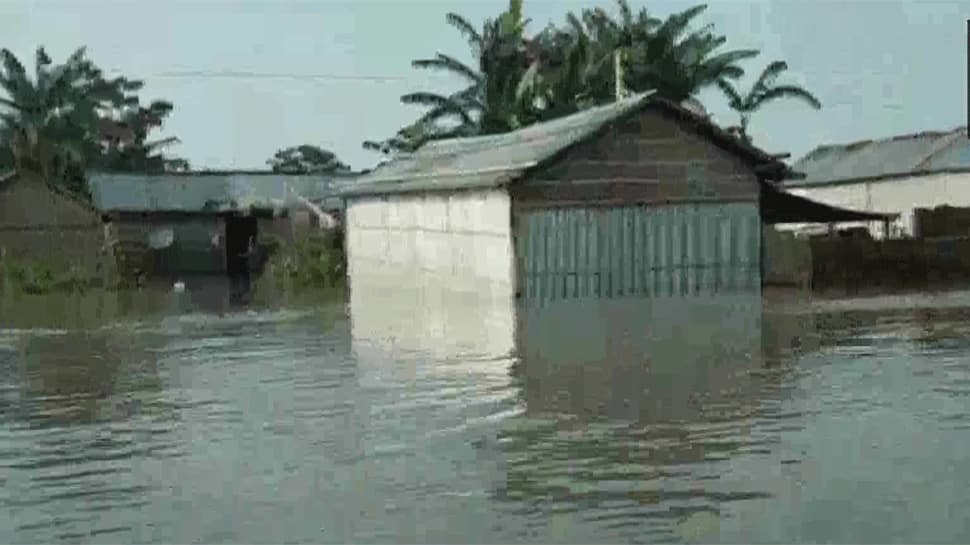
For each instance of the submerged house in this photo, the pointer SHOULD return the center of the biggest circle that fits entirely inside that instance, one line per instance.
(898, 175)
(43, 224)
(640, 197)
(204, 222)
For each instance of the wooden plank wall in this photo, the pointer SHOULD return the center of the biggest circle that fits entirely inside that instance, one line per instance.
(648, 159)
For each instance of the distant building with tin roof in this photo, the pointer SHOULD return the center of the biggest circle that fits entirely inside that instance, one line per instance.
(897, 175)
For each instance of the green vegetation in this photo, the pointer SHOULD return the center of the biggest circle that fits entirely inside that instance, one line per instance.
(762, 92)
(69, 117)
(36, 277)
(315, 260)
(591, 60)
(306, 159)
(61, 120)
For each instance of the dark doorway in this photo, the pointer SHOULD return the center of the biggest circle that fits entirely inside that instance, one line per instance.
(240, 240)
(241, 235)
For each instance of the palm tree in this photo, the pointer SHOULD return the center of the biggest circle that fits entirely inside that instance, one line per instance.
(406, 140)
(762, 92)
(662, 56)
(497, 94)
(50, 122)
(617, 37)
(676, 63)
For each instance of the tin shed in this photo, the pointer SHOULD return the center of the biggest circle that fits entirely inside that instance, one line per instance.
(203, 222)
(641, 197)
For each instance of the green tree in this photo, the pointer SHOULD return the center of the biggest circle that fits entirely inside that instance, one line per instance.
(762, 92)
(497, 96)
(677, 63)
(69, 117)
(49, 122)
(306, 159)
(406, 140)
(520, 80)
(611, 37)
(124, 142)
(664, 56)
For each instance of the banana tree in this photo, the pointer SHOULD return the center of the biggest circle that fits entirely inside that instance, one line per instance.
(677, 63)
(50, 121)
(496, 94)
(762, 92)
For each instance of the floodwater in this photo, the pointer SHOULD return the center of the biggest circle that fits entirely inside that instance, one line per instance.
(164, 419)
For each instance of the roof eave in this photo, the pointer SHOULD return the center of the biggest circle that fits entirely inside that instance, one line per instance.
(879, 178)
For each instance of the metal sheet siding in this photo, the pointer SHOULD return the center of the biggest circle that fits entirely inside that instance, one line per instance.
(674, 250)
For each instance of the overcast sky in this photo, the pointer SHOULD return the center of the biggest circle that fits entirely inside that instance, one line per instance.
(879, 67)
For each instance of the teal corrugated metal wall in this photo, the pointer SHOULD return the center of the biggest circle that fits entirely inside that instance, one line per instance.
(688, 249)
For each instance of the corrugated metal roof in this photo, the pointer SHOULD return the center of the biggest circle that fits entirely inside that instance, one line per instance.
(215, 192)
(920, 153)
(490, 161)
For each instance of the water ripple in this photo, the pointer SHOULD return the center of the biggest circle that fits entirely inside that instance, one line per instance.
(278, 426)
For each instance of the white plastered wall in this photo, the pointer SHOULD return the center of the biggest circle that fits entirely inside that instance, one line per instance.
(897, 195)
(460, 239)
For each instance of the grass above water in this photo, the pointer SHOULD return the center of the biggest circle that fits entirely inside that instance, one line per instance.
(36, 277)
(314, 261)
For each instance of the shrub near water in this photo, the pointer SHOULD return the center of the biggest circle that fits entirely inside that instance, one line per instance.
(315, 260)
(38, 277)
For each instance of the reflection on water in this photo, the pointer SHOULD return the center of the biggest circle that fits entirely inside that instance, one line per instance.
(423, 416)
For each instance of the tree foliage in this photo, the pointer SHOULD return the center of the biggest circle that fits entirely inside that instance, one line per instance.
(518, 80)
(125, 144)
(306, 159)
(499, 94)
(762, 92)
(53, 120)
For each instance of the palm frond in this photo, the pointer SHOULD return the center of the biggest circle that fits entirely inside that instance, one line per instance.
(10, 104)
(769, 75)
(467, 29)
(789, 91)
(11, 64)
(732, 57)
(448, 63)
(441, 106)
(575, 24)
(734, 99)
(626, 14)
(422, 98)
(675, 25)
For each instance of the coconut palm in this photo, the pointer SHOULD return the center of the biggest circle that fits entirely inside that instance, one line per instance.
(762, 92)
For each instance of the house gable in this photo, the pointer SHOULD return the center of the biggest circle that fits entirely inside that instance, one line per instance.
(28, 203)
(649, 158)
